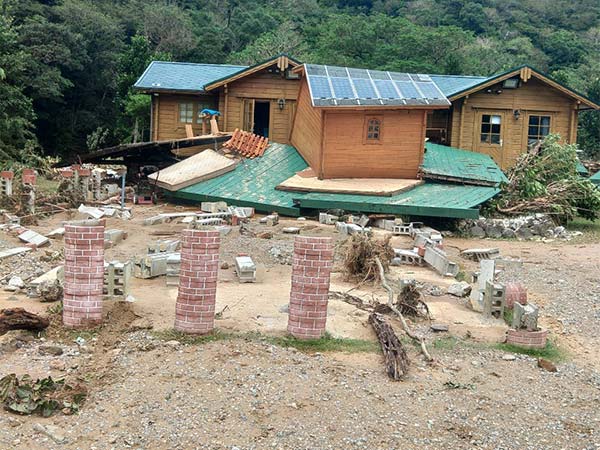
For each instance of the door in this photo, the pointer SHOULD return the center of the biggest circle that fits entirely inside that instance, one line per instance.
(248, 117)
(262, 118)
(490, 128)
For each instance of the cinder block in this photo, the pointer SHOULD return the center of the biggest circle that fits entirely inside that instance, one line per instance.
(437, 259)
(245, 269)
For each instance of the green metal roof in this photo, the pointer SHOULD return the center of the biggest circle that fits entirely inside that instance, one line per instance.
(452, 164)
(253, 181)
(428, 199)
(596, 178)
(581, 170)
(452, 84)
(186, 77)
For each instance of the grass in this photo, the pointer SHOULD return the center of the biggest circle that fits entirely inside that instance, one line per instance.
(508, 316)
(46, 186)
(551, 352)
(325, 344)
(590, 230)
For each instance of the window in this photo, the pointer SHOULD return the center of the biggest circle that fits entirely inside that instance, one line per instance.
(490, 128)
(373, 129)
(539, 128)
(186, 112)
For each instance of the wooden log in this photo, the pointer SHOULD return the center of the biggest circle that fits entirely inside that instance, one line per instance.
(396, 360)
(19, 319)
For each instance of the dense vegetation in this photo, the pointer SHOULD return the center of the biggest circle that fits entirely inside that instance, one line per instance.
(67, 66)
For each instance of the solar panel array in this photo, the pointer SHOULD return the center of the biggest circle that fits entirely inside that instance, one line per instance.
(344, 86)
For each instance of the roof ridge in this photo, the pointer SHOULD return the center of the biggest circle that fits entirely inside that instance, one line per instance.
(197, 64)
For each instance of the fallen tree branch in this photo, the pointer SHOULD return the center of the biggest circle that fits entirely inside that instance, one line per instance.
(19, 319)
(405, 326)
(396, 360)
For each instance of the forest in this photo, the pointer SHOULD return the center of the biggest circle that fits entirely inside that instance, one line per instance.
(67, 66)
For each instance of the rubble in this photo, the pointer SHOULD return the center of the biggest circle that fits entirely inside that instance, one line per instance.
(535, 226)
(461, 289)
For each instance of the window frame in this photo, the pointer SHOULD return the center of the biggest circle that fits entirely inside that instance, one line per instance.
(379, 139)
(538, 126)
(191, 112)
(490, 132)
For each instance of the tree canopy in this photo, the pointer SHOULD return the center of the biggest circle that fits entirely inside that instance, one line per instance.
(67, 66)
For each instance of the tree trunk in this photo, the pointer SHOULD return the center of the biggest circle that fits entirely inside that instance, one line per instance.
(396, 360)
(19, 319)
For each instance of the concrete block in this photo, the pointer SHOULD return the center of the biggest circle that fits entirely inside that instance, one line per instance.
(213, 207)
(154, 220)
(291, 230)
(164, 246)
(494, 300)
(525, 316)
(245, 269)
(34, 238)
(438, 259)
(150, 266)
(477, 254)
(402, 256)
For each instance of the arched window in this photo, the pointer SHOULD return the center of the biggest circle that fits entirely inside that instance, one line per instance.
(373, 129)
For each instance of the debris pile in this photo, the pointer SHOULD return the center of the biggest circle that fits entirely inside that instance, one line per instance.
(360, 257)
(534, 226)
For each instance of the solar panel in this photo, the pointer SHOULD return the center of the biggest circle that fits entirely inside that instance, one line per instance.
(364, 88)
(379, 75)
(358, 73)
(408, 89)
(342, 87)
(396, 76)
(337, 71)
(313, 69)
(320, 87)
(430, 90)
(386, 89)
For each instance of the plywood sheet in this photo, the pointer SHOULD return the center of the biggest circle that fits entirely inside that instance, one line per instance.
(203, 166)
(385, 187)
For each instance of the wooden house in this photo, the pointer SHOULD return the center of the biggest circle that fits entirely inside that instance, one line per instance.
(358, 123)
(503, 114)
(259, 98)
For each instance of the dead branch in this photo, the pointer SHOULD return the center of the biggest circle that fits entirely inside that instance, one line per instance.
(405, 326)
(396, 360)
(19, 319)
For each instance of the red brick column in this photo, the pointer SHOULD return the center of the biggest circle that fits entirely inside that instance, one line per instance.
(311, 268)
(527, 339)
(195, 307)
(84, 275)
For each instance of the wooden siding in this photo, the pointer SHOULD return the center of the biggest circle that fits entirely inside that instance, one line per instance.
(167, 111)
(262, 86)
(533, 97)
(307, 130)
(397, 156)
(230, 100)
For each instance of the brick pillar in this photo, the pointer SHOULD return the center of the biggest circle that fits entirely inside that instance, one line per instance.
(84, 275)
(195, 307)
(311, 268)
(515, 293)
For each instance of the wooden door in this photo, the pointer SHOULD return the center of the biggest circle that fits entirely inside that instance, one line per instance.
(489, 134)
(248, 117)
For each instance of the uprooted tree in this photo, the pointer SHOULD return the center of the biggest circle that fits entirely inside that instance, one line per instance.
(545, 179)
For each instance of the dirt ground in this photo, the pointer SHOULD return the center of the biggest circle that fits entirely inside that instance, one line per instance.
(147, 389)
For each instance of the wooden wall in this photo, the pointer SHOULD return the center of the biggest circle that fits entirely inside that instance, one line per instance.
(259, 86)
(262, 86)
(307, 129)
(397, 156)
(533, 97)
(165, 115)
